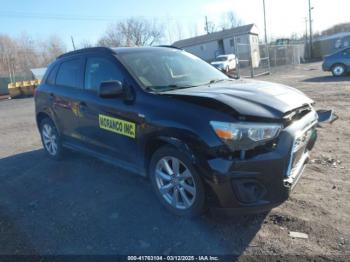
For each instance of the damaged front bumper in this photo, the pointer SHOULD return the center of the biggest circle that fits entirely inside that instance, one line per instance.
(263, 181)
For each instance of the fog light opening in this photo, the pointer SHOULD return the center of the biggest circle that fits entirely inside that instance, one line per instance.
(248, 191)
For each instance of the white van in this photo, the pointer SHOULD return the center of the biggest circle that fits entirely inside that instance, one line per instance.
(225, 63)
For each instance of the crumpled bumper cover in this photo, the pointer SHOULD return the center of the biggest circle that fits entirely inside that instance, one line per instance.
(264, 181)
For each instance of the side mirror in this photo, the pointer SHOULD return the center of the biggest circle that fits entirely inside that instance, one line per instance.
(110, 89)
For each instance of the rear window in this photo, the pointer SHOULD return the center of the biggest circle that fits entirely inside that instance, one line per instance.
(68, 73)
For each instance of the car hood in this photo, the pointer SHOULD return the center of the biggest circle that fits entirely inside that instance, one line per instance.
(248, 97)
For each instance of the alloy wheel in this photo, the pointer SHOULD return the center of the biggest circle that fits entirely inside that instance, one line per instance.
(49, 139)
(338, 70)
(175, 182)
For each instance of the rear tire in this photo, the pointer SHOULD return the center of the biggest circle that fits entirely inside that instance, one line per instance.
(51, 139)
(176, 182)
(338, 70)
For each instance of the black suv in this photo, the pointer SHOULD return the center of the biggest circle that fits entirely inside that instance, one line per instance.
(202, 138)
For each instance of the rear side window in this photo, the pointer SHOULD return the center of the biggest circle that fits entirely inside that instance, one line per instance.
(68, 73)
(52, 76)
(99, 69)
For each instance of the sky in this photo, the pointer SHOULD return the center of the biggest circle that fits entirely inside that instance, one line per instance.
(87, 20)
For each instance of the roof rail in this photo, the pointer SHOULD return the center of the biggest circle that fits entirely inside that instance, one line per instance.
(169, 46)
(87, 50)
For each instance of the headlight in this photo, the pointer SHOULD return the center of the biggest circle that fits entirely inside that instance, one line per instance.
(245, 135)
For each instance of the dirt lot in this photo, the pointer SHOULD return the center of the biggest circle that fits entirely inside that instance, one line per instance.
(84, 206)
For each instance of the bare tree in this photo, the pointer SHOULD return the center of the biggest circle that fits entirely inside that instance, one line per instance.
(111, 38)
(26, 54)
(7, 57)
(85, 44)
(50, 49)
(132, 32)
(230, 20)
(174, 31)
(209, 26)
(192, 30)
(343, 27)
(19, 55)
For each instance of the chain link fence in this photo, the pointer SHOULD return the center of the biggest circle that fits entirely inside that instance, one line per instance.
(257, 59)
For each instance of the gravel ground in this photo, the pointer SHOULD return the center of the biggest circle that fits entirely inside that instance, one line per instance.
(84, 206)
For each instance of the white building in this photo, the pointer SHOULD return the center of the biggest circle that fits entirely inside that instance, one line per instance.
(241, 39)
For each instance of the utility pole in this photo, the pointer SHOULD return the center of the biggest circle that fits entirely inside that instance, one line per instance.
(266, 44)
(265, 22)
(72, 42)
(206, 25)
(310, 22)
(306, 35)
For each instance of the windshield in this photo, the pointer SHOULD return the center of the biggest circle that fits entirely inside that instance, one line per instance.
(220, 58)
(162, 70)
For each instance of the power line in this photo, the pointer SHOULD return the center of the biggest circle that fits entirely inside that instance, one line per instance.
(52, 16)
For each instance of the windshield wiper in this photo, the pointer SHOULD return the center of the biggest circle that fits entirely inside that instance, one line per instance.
(213, 81)
(167, 88)
(151, 89)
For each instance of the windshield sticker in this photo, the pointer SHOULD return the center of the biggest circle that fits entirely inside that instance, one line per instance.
(118, 126)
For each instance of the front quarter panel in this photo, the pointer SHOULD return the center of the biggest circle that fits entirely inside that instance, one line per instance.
(168, 119)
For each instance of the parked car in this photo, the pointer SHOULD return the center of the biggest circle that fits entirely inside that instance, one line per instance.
(225, 63)
(338, 63)
(203, 139)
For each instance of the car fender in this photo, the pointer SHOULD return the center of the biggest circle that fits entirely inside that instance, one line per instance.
(179, 145)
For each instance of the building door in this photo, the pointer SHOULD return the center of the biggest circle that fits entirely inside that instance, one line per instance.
(221, 50)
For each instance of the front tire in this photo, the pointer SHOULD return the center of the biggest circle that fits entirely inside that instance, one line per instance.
(51, 139)
(176, 182)
(338, 70)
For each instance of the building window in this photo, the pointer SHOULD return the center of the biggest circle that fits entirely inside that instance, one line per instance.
(232, 42)
(238, 39)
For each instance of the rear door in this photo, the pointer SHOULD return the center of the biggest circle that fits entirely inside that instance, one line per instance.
(108, 125)
(65, 96)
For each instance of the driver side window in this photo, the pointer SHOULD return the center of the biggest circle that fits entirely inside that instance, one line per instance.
(100, 70)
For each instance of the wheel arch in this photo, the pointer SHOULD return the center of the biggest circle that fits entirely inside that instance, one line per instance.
(46, 114)
(339, 63)
(40, 116)
(155, 143)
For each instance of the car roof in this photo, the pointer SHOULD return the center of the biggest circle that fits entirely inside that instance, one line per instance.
(116, 50)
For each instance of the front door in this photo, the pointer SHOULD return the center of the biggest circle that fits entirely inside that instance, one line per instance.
(109, 125)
